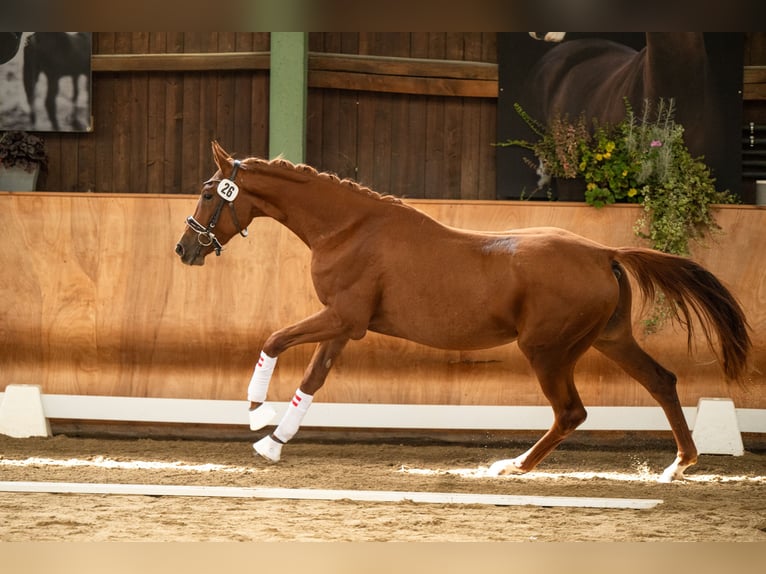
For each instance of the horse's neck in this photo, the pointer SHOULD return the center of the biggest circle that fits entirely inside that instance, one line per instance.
(313, 208)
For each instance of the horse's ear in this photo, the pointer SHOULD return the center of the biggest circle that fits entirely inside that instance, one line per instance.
(221, 157)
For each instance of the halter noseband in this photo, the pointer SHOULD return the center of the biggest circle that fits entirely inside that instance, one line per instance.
(205, 235)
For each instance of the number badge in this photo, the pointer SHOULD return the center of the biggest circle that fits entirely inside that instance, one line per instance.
(228, 189)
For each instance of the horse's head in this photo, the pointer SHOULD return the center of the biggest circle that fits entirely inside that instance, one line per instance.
(221, 212)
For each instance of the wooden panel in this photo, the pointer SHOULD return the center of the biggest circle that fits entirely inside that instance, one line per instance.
(754, 83)
(153, 125)
(403, 85)
(158, 99)
(201, 62)
(404, 66)
(98, 303)
(416, 144)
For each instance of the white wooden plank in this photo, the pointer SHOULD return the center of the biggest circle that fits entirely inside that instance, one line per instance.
(384, 416)
(319, 494)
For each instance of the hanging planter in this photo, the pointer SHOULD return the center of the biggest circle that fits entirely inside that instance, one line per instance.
(22, 159)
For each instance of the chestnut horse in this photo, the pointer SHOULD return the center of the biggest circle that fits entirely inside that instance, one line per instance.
(380, 265)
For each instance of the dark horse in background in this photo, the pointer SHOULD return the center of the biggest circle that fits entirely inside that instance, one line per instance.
(596, 75)
(9, 46)
(56, 54)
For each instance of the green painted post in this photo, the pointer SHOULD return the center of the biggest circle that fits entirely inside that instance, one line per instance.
(287, 95)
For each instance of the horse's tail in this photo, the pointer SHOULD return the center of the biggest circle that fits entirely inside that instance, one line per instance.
(693, 290)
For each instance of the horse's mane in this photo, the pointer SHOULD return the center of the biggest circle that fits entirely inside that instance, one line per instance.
(304, 169)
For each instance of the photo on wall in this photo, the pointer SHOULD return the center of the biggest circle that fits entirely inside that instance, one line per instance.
(45, 81)
(570, 74)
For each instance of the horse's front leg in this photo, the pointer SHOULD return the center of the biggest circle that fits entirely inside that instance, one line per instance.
(322, 326)
(270, 446)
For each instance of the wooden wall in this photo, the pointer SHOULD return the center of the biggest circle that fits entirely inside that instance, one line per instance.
(96, 302)
(410, 128)
(409, 141)
(153, 124)
(410, 114)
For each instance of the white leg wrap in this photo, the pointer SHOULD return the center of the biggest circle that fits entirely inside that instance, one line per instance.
(291, 421)
(269, 449)
(259, 382)
(257, 389)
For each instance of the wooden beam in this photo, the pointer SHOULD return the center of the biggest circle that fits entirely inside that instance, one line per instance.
(418, 76)
(198, 62)
(754, 83)
(402, 84)
(389, 66)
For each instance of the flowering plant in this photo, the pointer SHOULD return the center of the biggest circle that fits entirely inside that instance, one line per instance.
(609, 169)
(558, 146)
(24, 150)
(641, 160)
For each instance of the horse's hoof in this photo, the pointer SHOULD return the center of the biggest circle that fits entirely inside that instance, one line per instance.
(503, 468)
(670, 474)
(269, 449)
(676, 470)
(261, 416)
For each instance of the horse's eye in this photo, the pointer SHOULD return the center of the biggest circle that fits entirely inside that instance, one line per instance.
(207, 196)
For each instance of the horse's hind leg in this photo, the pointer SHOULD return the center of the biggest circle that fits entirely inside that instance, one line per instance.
(31, 75)
(557, 382)
(270, 447)
(661, 384)
(617, 343)
(50, 101)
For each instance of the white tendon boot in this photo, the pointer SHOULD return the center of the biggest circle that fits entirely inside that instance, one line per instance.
(270, 447)
(256, 392)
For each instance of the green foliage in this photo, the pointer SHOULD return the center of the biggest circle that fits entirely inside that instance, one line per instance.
(608, 168)
(643, 159)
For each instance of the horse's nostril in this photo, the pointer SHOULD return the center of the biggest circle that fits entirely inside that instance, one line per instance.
(180, 250)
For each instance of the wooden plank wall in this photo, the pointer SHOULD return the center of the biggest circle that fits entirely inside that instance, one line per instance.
(154, 117)
(97, 303)
(152, 130)
(405, 144)
(419, 123)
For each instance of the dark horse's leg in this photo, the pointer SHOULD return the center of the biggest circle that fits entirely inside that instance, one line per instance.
(31, 74)
(617, 343)
(50, 100)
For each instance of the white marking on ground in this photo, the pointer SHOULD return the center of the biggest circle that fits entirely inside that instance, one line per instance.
(641, 475)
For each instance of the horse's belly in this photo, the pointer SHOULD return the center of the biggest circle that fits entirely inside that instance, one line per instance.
(458, 327)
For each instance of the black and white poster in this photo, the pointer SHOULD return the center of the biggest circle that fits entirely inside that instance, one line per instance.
(45, 81)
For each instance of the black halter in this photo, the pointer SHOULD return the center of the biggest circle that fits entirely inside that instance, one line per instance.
(205, 235)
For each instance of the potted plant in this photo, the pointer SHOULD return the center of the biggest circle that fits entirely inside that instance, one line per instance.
(643, 159)
(22, 158)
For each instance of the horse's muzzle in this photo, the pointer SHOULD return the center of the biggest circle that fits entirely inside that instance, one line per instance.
(191, 257)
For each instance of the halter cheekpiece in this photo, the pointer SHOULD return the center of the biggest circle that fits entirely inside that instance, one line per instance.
(227, 191)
